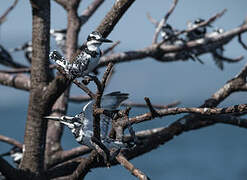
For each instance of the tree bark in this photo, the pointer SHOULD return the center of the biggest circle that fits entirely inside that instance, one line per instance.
(35, 131)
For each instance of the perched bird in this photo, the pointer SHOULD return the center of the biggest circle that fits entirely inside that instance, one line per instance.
(199, 32)
(15, 153)
(167, 32)
(218, 52)
(82, 124)
(7, 60)
(86, 61)
(60, 38)
(27, 49)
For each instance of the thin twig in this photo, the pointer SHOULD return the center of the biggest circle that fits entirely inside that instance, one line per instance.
(229, 60)
(163, 21)
(241, 41)
(157, 106)
(100, 91)
(153, 112)
(130, 167)
(152, 20)
(3, 17)
(84, 88)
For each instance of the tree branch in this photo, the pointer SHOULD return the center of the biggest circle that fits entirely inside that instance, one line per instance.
(10, 141)
(170, 53)
(87, 13)
(130, 167)
(19, 81)
(113, 16)
(3, 17)
(163, 21)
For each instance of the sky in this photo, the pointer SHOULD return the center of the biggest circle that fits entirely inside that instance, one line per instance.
(189, 82)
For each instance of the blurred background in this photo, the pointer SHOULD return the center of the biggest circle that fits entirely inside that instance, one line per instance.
(215, 152)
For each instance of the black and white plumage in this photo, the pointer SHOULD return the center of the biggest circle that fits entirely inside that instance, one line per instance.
(27, 48)
(199, 32)
(82, 124)
(167, 32)
(60, 38)
(16, 155)
(7, 60)
(86, 61)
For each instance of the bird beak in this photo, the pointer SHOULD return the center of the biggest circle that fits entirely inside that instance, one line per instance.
(52, 118)
(105, 40)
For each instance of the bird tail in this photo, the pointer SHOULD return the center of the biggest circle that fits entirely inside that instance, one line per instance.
(113, 100)
(59, 59)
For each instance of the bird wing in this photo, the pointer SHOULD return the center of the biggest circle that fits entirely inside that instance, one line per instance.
(110, 102)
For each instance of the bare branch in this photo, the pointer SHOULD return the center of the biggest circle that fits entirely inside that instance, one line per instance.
(84, 167)
(202, 111)
(152, 20)
(130, 167)
(85, 89)
(10, 141)
(204, 23)
(229, 60)
(170, 53)
(19, 81)
(63, 3)
(157, 106)
(163, 21)
(3, 17)
(113, 16)
(241, 41)
(100, 91)
(87, 13)
(63, 156)
(79, 99)
(153, 112)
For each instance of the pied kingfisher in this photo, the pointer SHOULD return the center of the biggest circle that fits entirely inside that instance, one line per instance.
(86, 61)
(199, 32)
(60, 38)
(82, 124)
(168, 35)
(27, 48)
(15, 153)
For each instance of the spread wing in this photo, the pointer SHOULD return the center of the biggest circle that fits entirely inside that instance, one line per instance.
(109, 101)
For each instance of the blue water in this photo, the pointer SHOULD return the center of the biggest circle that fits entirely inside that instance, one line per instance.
(215, 152)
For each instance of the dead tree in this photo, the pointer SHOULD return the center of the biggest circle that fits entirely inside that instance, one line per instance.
(43, 155)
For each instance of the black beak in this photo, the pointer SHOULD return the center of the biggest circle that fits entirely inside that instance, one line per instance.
(105, 40)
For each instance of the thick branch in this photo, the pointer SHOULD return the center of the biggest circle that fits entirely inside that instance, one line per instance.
(113, 16)
(170, 53)
(87, 13)
(19, 81)
(202, 111)
(35, 131)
